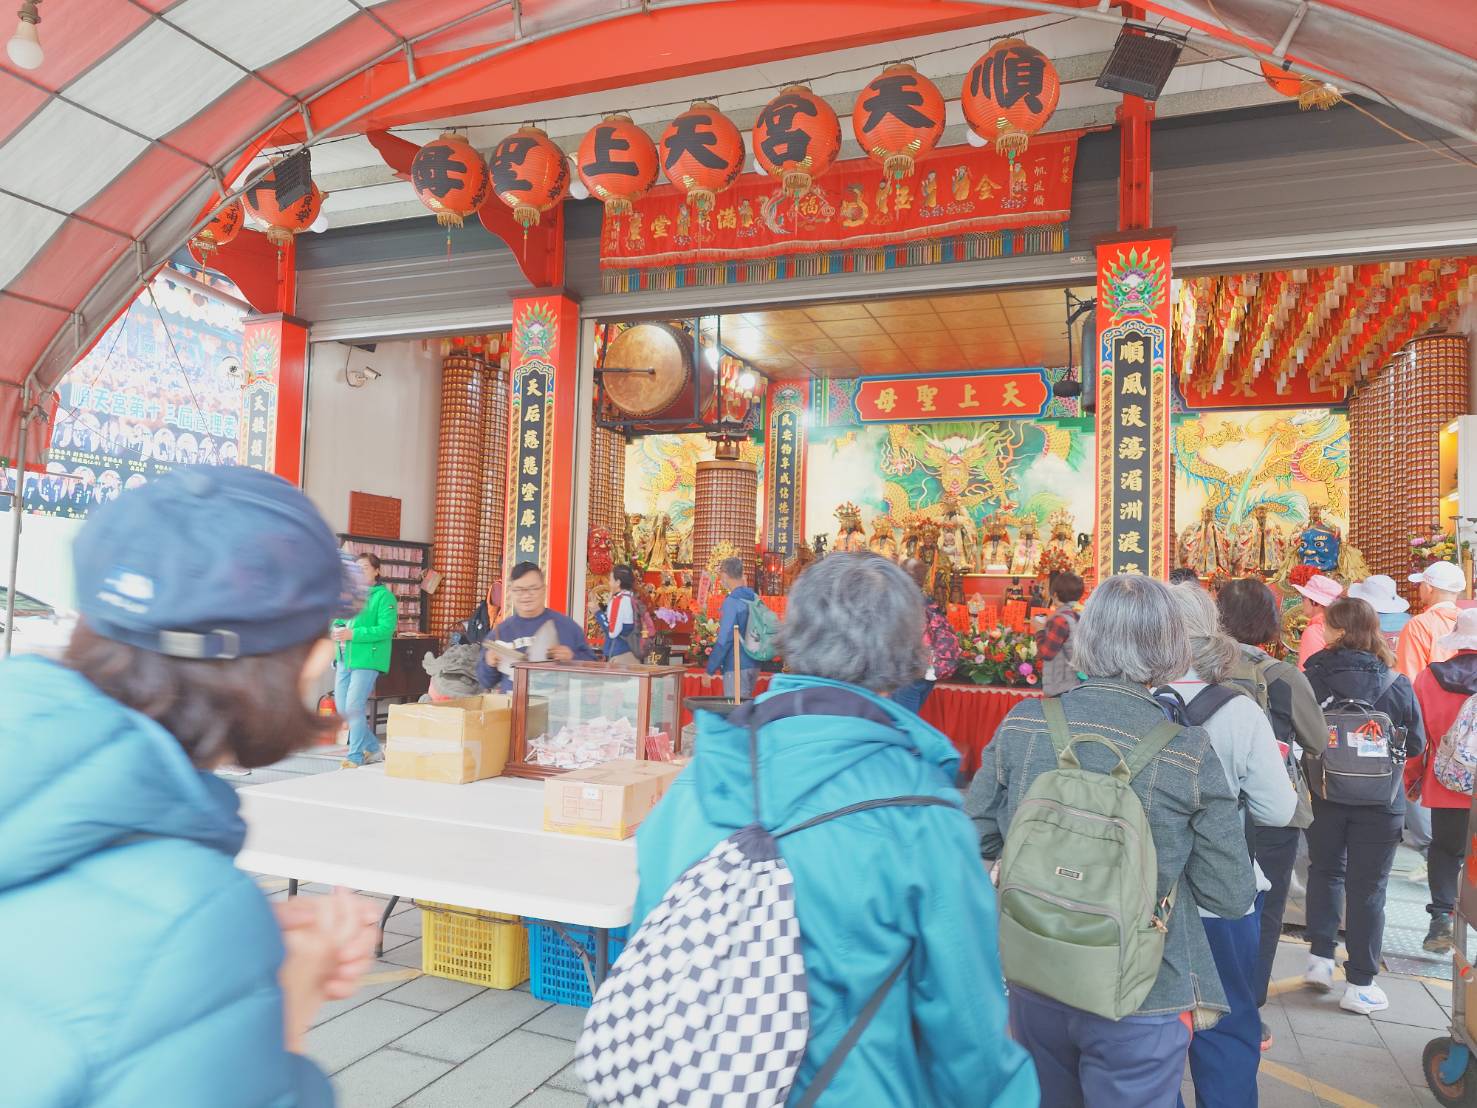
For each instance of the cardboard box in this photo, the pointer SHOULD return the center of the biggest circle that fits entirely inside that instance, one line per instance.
(607, 801)
(453, 742)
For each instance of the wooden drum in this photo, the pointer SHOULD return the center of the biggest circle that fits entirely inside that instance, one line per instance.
(659, 347)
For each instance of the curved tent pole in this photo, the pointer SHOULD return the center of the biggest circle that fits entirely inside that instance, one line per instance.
(15, 515)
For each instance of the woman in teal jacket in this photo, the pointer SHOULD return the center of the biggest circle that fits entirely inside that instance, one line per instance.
(872, 885)
(138, 964)
(363, 654)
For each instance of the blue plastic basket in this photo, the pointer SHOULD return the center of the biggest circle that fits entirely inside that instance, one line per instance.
(556, 972)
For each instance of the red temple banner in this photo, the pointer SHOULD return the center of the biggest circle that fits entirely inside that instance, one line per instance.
(1018, 394)
(961, 204)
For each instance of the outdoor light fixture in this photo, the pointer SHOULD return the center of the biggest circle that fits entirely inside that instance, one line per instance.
(24, 46)
(747, 380)
(1141, 62)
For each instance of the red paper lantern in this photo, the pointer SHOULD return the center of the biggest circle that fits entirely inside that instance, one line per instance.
(898, 119)
(796, 138)
(1009, 95)
(702, 154)
(223, 227)
(450, 178)
(529, 174)
(617, 163)
(282, 223)
(1306, 91)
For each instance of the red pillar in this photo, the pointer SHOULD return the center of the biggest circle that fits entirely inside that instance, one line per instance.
(274, 361)
(1135, 179)
(541, 437)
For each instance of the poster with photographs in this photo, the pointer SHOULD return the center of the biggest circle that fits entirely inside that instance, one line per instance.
(130, 411)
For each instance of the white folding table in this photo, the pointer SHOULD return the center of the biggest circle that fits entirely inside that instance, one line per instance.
(480, 845)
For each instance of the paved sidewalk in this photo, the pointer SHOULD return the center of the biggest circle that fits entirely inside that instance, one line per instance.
(424, 1042)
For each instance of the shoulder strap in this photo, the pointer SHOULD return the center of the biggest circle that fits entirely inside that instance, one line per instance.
(1208, 702)
(867, 806)
(832, 1064)
(1150, 747)
(1386, 684)
(1056, 723)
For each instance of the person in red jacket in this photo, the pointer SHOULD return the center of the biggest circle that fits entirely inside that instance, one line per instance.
(1442, 689)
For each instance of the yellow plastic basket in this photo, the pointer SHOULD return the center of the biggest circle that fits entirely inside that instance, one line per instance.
(480, 948)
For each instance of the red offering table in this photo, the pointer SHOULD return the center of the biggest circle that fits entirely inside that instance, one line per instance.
(968, 714)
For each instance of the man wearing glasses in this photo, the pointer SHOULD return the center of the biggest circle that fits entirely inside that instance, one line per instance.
(526, 627)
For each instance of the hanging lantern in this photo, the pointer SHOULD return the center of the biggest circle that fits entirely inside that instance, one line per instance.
(898, 119)
(282, 223)
(1009, 95)
(796, 138)
(450, 178)
(529, 174)
(1295, 86)
(702, 154)
(223, 227)
(617, 163)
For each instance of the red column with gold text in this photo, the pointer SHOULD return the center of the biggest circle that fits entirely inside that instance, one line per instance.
(274, 359)
(541, 436)
(1134, 467)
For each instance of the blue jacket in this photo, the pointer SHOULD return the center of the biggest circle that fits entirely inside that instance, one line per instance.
(139, 965)
(734, 613)
(519, 631)
(868, 887)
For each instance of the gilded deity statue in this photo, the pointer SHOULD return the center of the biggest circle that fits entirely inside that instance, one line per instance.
(1203, 546)
(1027, 550)
(1063, 537)
(1261, 545)
(851, 538)
(658, 557)
(956, 536)
(884, 538)
(996, 553)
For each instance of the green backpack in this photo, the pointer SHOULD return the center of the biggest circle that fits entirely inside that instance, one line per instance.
(1080, 917)
(761, 635)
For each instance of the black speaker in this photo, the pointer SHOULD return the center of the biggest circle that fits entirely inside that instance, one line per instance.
(292, 179)
(1141, 62)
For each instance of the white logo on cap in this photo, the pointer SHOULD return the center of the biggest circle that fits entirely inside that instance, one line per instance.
(128, 591)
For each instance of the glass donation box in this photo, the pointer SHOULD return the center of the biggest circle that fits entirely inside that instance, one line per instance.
(574, 715)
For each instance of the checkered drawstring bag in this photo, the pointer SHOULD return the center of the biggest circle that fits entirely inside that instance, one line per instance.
(707, 1004)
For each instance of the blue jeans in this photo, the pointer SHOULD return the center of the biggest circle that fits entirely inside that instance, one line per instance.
(747, 676)
(351, 689)
(1086, 1060)
(912, 697)
(1224, 1060)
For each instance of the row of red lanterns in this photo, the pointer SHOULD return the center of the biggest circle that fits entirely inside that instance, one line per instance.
(898, 118)
(282, 222)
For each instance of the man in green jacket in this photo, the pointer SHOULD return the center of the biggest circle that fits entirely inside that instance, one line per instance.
(363, 654)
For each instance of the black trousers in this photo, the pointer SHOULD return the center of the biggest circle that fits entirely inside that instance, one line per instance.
(1350, 849)
(1276, 853)
(1444, 858)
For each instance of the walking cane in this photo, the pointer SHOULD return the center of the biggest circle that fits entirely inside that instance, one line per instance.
(738, 687)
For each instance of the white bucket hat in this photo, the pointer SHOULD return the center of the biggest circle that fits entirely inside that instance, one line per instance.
(1444, 576)
(1464, 635)
(1379, 593)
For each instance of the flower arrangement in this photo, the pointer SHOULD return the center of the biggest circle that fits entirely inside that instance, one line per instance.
(1055, 560)
(1301, 574)
(704, 633)
(1435, 546)
(999, 656)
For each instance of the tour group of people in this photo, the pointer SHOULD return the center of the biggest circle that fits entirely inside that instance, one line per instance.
(143, 967)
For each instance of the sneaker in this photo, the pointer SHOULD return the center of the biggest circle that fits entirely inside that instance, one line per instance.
(1439, 938)
(374, 756)
(1319, 973)
(1266, 1038)
(1364, 999)
(346, 764)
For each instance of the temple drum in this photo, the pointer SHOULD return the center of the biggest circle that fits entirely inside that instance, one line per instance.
(659, 347)
(724, 503)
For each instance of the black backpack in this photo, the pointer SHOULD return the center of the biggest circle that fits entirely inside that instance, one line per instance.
(1363, 763)
(1197, 713)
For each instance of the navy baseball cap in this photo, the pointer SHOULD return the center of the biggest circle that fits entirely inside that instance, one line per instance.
(210, 562)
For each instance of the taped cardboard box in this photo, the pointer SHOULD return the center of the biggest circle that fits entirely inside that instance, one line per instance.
(607, 801)
(453, 742)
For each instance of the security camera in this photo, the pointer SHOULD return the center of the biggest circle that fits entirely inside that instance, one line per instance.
(358, 378)
(231, 367)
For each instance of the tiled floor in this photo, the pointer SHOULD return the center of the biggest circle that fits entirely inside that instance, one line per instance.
(424, 1042)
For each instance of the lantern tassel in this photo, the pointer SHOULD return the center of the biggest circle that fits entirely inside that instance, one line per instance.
(796, 182)
(1317, 95)
(898, 165)
(702, 199)
(1010, 140)
(449, 218)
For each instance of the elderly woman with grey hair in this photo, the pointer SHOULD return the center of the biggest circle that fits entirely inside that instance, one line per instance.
(875, 889)
(1130, 639)
(1224, 1060)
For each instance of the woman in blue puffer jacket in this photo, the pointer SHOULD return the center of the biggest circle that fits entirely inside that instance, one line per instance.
(870, 886)
(138, 965)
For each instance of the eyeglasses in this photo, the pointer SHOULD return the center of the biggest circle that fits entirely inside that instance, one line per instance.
(533, 590)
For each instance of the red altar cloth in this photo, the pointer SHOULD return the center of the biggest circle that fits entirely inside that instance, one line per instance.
(968, 714)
